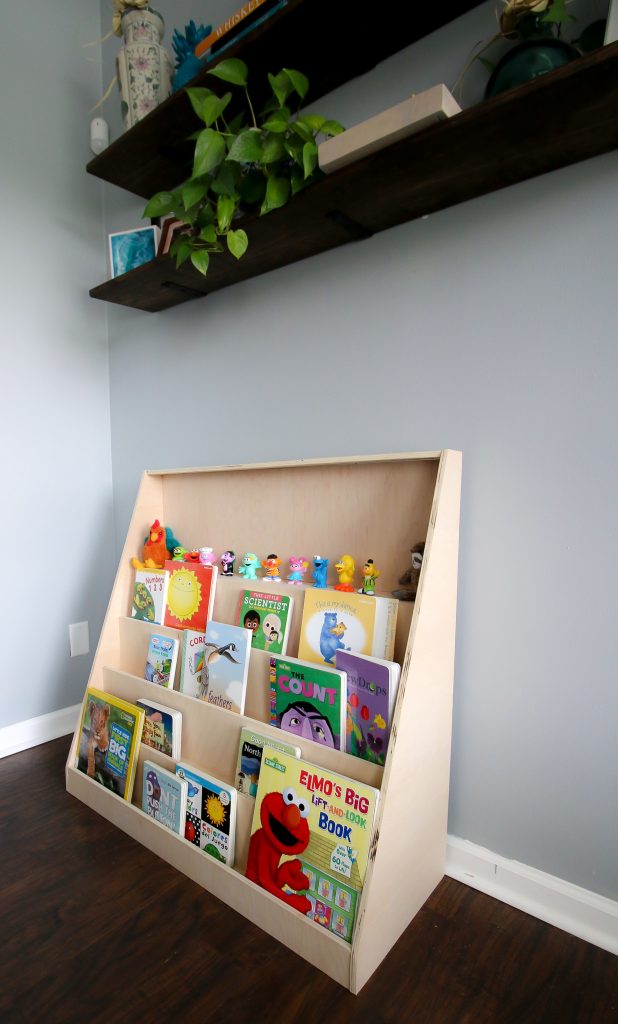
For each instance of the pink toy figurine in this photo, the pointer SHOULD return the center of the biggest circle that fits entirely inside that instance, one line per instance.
(249, 566)
(207, 556)
(370, 575)
(298, 568)
(345, 568)
(270, 565)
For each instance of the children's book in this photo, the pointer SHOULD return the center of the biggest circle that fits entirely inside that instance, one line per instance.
(226, 663)
(268, 616)
(308, 700)
(192, 665)
(149, 595)
(371, 692)
(338, 621)
(190, 594)
(311, 827)
(250, 759)
(162, 727)
(211, 813)
(164, 797)
(161, 660)
(111, 730)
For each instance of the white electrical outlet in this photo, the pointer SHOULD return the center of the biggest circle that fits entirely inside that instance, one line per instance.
(79, 638)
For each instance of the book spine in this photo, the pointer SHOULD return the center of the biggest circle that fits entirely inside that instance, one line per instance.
(227, 26)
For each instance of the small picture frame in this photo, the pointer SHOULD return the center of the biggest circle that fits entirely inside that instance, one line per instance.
(170, 228)
(130, 249)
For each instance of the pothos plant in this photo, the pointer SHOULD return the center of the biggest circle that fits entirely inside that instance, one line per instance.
(249, 163)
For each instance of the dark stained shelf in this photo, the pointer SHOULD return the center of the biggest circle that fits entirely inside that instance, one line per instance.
(562, 118)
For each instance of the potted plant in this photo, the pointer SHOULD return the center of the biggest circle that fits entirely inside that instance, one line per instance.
(251, 162)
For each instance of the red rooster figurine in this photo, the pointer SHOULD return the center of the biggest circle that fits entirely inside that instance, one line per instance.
(158, 546)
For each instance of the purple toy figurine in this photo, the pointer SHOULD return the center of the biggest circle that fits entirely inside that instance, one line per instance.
(227, 563)
(298, 568)
(320, 571)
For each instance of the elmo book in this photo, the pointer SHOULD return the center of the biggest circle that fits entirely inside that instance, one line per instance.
(111, 730)
(371, 692)
(190, 594)
(336, 621)
(164, 797)
(308, 701)
(211, 813)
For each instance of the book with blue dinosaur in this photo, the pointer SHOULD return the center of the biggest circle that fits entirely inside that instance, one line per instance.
(334, 620)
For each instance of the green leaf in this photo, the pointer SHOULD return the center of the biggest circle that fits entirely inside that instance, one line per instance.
(213, 107)
(226, 208)
(557, 13)
(297, 180)
(200, 260)
(302, 130)
(225, 184)
(233, 71)
(197, 97)
(247, 147)
(281, 86)
(299, 81)
(278, 121)
(314, 122)
(160, 204)
(277, 194)
(332, 128)
(208, 234)
(182, 249)
(310, 158)
(237, 242)
(209, 152)
(273, 149)
(194, 191)
(294, 148)
(252, 188)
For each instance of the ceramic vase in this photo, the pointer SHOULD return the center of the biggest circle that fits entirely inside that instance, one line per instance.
(144, 66)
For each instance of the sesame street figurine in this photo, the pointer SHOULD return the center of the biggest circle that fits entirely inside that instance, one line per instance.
(158, 546)
(207, 556)
(345, 569)
(270, 565)
(370, 575)
(249, 566)
(409, 580)
(227, 563)
(298, 568)
(320, 571)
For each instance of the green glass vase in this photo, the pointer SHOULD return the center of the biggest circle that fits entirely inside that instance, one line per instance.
(537, 54)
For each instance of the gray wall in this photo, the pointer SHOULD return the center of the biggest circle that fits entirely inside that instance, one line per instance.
(55, 457)
(489, 327)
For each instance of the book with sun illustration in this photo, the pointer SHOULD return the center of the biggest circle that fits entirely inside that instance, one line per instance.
(225, 666)
(211, 813)
(308, 701)
(310, 838)
(371, 692)
(149, 594)
(164, 797)
(190, 594)
(335, 620)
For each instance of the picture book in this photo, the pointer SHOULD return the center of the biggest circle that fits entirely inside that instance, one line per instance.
(164, 797)
(308, 700)
(190, 594)
(310, 824)
(332, 902)
(371, 692)
(335, 620)
(149, 595)
(162, 727)
(161, 660)
(211, 813)
(268, 616)
(226, 664)
(250, 759)
(192, 663)
(111, 730)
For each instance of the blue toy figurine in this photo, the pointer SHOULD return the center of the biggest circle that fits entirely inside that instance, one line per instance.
(320, 571)
(249, 566)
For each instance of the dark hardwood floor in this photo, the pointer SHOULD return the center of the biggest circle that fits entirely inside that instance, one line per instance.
(96, 928)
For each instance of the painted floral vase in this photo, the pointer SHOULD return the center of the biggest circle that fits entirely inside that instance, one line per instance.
(144, 66)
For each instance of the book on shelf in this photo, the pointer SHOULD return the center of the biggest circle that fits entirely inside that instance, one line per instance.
(310, 835)
(190, 594)
(161, 660)
(371, 692)
(149, 595)
(162, 727)
(164, 797)
(192, 662)
(268, 616)
(211, 813)
(240, 23)
(226, 664)
(308, 700)
(334, 620)
(250, 758)
(109, 739)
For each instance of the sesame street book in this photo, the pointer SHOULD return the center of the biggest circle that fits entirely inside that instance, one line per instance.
(149, 595)
(250, 759)
(308, 700)
(335, 620)
(111, 730)
(226, 664)
(371, 692)
(161, 660)
(310, 824)
(190, 594)
(268, 616)
(162, 727)
(211, 813)
(164, 797)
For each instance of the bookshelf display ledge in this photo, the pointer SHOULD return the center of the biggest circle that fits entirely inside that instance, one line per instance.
(421, 496)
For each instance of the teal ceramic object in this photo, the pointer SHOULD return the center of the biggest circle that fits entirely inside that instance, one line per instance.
(529, 60)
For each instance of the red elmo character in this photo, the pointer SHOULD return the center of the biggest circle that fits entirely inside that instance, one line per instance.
(284, 831)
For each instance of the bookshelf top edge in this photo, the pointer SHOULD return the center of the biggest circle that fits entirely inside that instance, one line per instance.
(429, 456)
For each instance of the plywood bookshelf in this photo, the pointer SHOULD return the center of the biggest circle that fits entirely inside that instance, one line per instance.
(374, 506)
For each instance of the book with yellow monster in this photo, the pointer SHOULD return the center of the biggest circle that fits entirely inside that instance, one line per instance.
(111, 730)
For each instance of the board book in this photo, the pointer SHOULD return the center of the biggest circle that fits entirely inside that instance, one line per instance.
(268, 616)
(371, 692)
(149, 595)
(164, 797)
(161, 660)
(250, 758)
(211, 813)
(225, 665)
(110, 734)
(338, 621)
(192, 663)
(190, 594)
(308, 700)
(162, 727)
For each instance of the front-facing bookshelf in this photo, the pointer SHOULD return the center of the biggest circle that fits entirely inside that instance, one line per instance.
(376, 506)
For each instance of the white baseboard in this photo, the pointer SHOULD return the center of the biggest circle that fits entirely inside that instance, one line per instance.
(577, 911)
(38, 730)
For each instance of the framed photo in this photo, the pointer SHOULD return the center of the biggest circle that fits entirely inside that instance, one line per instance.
(170, 228)
(129, 249)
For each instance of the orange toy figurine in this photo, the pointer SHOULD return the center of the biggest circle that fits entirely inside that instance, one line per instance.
(270, 565)
(370, 575)
(345, 568)
(158, 546)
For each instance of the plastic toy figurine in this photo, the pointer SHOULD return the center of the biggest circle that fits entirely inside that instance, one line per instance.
(370, 575)
(227, 563)
(158, 546)
(207, 556)
(270, 565)
(345, 569)
(249, 566)
(320, 571)
(192, 556)
(179, 553)
(409, 580)
(298, 568)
